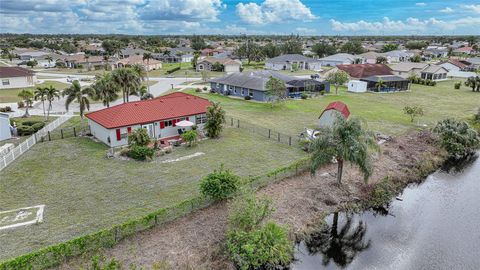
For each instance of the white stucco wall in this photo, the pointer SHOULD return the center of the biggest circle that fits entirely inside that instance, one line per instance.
(450, 67)
(328, 118)
(18, 82)
(232, 68)
(4, 127)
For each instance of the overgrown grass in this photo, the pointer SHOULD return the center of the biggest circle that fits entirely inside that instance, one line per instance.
(382, 112)
(84, 191)
(11, 95)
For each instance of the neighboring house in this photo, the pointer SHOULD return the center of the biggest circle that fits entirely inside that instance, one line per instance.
(288, 61)
(5, 129)
(31, 55)
(463, 50)
(440, 52)
(434, 73)
(210, 52)
(16, 77)
(158, 116)
(331, 112)
(391, 83)
(253, 84)
(370, 57)
(340, 59)
(474, 63)
(357, 71)
(45, 61)
(454, 65)
(127, 52)
(73, 61)
(229, 65)
(175, 55)
(397, 56)
(149, 65)
(406, 69)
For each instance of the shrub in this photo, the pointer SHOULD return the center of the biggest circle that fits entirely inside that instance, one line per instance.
(141, 152)
(215, 120)
(198, 90)
(458, 85)
(220, 184)
(21, 104)
(30, 122)
(6, 109)
(138, 137)
(413, 111)
(37, 126)
(190, 137)
(172, 70)
(303, 96)
(25, 130)
(247, 97)
(205, 88)
(458, 138)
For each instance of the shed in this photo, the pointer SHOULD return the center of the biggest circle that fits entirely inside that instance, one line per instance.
(5, 130)
(357, 86)
(331, 112)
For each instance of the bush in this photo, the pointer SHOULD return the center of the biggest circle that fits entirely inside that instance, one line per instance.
(247, 97)
(141, 152)
(21, 104)
(30, 122)
(220, 184)
(37, 126)
(6, 109)
(138, 137)
(458, 138)
(303, 96)
(205, 88)
(25, 130)
(198, 90)
(172, 70)
(458, 85)
(190, 137)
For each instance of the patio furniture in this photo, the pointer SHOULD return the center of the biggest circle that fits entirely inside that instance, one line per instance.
(175, 142)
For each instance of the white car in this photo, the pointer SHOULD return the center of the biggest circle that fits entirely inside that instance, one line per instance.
(70, 79)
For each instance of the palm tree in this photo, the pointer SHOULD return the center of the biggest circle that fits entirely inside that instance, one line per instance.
(474, 83)
(27, 96)
(49, 59)
(86, 56)
(40, 93)
(52, 93)
(380, 84)
(147, 56)
(345, 141)
(105, 89)
(128, 80)
(76, 93)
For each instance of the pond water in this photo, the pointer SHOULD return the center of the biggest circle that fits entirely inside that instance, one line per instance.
(435, 225)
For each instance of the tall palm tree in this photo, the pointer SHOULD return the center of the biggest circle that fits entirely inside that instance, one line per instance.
(380, 84)
(86, 56)
(49, 58)
(81, 95)
(51, 93)
(105, 89)
(127, 80)
(345, 141)
(27, 96)
(40, 93)
(147, 56)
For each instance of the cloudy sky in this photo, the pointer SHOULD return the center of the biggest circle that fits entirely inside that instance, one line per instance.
(304, 17)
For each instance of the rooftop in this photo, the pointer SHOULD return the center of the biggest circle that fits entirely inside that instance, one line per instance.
(365, 70)
(9, 72)
(291, 58)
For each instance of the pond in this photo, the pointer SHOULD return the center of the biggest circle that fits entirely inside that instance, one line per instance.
(434, 225)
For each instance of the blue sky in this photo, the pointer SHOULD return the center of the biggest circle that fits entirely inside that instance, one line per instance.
(304, 17)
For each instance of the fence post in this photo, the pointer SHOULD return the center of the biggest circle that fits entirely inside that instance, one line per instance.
(74, 132)
(231, 121)
(238, 123)
(35, 137)
(156, 220)
(61, 132)
(290, 140)
(269, 132)
(278, 136)
(49, 139)
(116, 234)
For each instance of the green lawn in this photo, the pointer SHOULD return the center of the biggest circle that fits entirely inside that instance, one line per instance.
(19, 120)
(382, 112)
(83, 191)
(11, 95)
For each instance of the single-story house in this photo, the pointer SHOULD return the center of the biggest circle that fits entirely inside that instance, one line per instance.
(149, 65)
(454, 65)
(405, 69)
(474, 63)
(434, 73)
(31, 55)
(5, 131)
(175, 55)
(370, 57)
(287, 62)
(73, 61)
(17, 77)
(440, 52)
(158, 116)
(127, 52)
(229, 65)
(464, 50)
(253, 84)
(390, 83)
(340, 59)
(358, 71)
(397, 56)
(331, 112)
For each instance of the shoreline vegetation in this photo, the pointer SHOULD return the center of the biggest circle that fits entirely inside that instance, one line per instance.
(301, 202)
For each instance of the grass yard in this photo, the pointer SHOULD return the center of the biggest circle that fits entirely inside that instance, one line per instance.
(83, 191)
(11, 95)
(19, 120)
(382, 112)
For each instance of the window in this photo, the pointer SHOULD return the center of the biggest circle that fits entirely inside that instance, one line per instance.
(250, 93)
(5, 82)
(230, 87)
(168, 123)
(201, 119)
(235, 90)
(243, 92)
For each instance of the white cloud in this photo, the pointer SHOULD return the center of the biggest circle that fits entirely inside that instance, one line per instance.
(421, 4)
(473, 8)
(447, 10)
(305, 30)
(274, 11)
(186, 10)
(409, 25)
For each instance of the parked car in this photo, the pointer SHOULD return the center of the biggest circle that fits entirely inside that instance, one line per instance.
(314, 76)
(70, 79)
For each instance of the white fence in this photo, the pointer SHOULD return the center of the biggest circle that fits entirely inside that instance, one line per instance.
(31, 141)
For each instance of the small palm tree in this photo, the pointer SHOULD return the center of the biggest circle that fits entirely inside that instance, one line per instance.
(27, 97)
(76, 93)
(345, 141)
(380, 84)
(51, 93)
(86, 56)
(40, 93)
(49, 59)
(105, 89)
(147, 56)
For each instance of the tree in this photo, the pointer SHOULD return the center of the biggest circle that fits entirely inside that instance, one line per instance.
(86, 57)
(380, 84)
(271, 50)
(249, 50)
(52, 93)
(196, 55)
(389, 47)
(198, 43)
(338, 78)
(276, 90)
(40, 93)
(382, 60)
(345, 141)
(217, 66)
(352, 47)
(105, 89)
(415, 45)
(323, 49)
(81, 96)
(413, 112)
(457, 137)
(474, 83)
(138, 137)
(220, 184)
(147, 56)
(215, 120)
(49, 59)
(416, 58)
(27, 97)
(32, 63)
(127, 80)
(190, 137)
(292, 46)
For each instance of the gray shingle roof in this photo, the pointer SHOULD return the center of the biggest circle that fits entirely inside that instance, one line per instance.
(252, 80)
(291, 58)
(385, 78)
(339, 57)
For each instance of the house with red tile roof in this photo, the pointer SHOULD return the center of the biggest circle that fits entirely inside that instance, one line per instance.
(331, 112)
(454, 65)
(359, 71)
(158, 116)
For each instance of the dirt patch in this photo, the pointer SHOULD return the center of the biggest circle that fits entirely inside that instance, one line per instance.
(195, 241)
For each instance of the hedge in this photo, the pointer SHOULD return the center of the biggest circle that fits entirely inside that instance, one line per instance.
(173, 70)
(55, 255)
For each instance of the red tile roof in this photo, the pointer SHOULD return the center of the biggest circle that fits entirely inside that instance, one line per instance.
(366, 70)
(9, 72)
(147, 111)
(338, 106)
(457, 63)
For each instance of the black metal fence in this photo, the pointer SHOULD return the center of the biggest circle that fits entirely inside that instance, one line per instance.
(65, 132)
(271, 134)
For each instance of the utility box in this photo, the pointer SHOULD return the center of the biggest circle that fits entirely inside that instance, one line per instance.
(357, 86)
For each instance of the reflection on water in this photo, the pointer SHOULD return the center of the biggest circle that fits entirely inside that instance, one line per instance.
(340, 245)
(434, 226)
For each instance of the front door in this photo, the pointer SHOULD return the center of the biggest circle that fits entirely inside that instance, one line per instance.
(149, 129)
